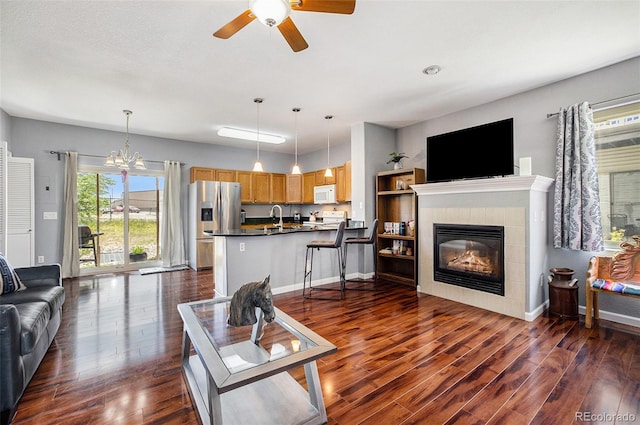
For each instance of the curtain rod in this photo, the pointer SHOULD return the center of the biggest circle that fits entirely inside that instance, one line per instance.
(98, 156)
(600, 103)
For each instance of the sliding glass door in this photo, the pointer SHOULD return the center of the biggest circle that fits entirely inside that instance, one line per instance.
(120, 215)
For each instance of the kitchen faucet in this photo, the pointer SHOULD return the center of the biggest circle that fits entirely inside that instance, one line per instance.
(280, 224)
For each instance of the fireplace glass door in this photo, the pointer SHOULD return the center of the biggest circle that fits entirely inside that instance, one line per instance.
(470, 256)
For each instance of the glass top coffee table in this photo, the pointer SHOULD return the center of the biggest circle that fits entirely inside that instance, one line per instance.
(238, 375)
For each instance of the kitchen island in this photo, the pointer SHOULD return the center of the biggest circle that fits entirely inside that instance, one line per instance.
(248, 255)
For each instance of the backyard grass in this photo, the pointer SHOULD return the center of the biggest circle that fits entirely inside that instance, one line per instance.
(142, 232)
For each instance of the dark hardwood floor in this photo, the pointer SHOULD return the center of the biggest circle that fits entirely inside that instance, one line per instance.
(402, 358)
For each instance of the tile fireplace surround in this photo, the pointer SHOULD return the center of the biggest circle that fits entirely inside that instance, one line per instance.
(519, 204)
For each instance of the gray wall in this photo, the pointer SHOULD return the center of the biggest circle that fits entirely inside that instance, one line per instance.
(35, 139)
(534, 136)
(5, 126)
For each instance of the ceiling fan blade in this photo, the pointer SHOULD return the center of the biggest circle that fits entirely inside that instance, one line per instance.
(328, 6)
(290, 33)
(235, 25)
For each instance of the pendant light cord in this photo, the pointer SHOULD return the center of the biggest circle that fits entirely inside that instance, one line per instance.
(296, 110)
(328, 117)
(258, 101)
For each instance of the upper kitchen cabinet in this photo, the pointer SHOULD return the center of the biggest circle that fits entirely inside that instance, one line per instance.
(201, 173)
(294, 189)
(343, 182)
(261, 188)
(212, 174)
(225, 175)
(322, 180)
(244, 178)
(255, 187)
(278, 187)
(308, 183)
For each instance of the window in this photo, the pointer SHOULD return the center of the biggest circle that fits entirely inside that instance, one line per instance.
(618, 158)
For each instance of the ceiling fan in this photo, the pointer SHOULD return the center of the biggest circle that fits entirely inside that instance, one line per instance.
(275, 13)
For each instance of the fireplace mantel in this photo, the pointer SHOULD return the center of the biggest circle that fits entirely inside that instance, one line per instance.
(498, 184)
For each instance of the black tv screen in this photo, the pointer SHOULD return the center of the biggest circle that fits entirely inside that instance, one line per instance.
(471, 153)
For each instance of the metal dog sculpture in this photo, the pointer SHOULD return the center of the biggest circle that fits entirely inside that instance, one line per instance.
(242, 311)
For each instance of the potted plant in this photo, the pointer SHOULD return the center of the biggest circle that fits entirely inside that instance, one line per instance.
(138, 253)
(396, 157)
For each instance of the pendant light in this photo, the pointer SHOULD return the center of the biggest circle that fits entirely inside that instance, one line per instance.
(296, 168)
(328, 172)
(258, 165)
(123, 157)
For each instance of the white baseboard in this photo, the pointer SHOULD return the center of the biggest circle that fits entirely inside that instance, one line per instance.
(615, 317)
(325, 281)
(530, 317)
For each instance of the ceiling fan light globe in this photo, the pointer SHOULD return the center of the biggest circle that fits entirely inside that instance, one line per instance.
(270, 12)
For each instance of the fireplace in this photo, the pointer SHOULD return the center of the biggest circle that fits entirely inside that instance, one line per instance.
(469, 256)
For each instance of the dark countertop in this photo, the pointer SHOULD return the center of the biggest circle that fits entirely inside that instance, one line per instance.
(271, 230)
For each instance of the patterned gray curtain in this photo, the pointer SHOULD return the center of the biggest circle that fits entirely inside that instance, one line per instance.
(576, 221)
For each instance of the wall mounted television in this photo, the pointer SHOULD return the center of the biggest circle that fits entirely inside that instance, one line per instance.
(471, 153)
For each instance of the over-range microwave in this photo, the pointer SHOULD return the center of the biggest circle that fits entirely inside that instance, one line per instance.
(324, 194)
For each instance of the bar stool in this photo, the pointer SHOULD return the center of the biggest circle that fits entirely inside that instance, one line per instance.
(308, 264)
(368, 240)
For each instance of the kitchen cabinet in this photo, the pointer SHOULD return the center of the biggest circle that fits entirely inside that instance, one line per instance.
(261, 188)
(244, 178)
(225, 175)
(308, 183)
(278, 188)
(396, 202)
(255, 187)
(294, 189)
(343, 182)
(322, 180)
(201, 173)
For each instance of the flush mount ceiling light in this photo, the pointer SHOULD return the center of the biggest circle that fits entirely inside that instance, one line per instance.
(270, 12)
(328, 172)
(236, 133)
(123, 157)
(258, 165)
(296, 168)
(431, 70)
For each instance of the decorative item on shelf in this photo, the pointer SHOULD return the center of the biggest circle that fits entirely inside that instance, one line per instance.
(388, 227)
(258, 165)
(138, 253)
(123, 157)
(411, 227)
(396, 158)
(328, 172)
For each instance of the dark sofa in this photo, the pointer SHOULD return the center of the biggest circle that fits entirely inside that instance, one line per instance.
(29, 320)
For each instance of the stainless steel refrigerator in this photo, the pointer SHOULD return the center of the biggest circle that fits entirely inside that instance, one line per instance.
(213, 206)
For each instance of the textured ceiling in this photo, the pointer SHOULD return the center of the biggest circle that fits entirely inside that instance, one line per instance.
(83, 62)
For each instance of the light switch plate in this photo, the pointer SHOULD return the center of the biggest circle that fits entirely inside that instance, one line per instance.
(50, 215)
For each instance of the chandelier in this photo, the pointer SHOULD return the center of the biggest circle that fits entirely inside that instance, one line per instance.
(123, 157)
